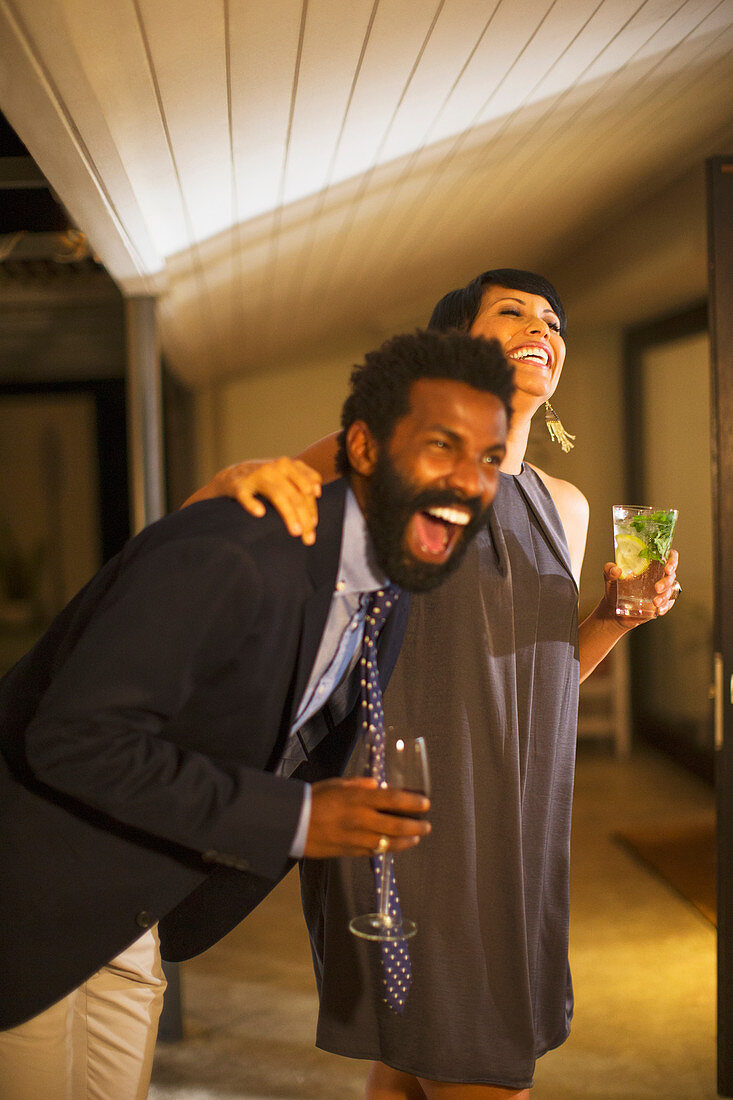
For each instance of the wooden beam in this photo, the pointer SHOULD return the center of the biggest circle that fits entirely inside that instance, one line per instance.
(20, 172)
(144, 413)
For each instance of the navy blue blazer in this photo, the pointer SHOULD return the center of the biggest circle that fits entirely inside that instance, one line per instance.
(139, 739)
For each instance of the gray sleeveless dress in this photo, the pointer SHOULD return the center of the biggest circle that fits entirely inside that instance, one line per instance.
(488, 674)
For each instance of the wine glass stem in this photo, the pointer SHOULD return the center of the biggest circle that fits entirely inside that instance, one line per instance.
(384, 888)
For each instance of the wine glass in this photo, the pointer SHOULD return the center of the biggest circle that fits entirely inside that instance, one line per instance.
(406, 768)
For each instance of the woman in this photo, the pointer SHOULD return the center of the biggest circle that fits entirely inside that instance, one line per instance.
(489, 675)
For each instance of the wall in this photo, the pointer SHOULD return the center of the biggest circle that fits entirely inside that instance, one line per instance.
(270, 414)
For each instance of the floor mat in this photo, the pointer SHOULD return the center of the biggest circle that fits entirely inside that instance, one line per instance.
(683, 854)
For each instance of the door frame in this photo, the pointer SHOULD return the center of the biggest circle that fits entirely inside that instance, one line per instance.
(638, 341)
(719, 171)
(109, 403)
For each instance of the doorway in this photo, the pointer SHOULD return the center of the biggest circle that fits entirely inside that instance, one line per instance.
(668, 413)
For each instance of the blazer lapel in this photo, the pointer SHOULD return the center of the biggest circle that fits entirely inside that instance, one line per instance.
(323, 560)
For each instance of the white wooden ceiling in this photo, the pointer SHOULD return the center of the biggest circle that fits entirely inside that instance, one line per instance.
(291, 174)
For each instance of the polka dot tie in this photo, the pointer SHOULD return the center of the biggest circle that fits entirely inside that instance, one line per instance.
(395, 957)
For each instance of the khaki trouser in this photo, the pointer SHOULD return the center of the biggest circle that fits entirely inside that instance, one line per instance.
(95, 1044)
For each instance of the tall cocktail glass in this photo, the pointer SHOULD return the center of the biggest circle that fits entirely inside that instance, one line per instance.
(643, 538)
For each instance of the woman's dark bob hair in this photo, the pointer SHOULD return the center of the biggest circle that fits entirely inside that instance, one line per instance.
(459, 308)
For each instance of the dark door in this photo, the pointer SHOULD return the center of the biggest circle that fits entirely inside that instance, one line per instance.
(720, 228)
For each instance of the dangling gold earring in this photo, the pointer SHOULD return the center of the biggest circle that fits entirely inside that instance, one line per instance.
(556, 430)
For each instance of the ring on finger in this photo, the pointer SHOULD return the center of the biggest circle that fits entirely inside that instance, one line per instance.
(676, 590)
(382, 844)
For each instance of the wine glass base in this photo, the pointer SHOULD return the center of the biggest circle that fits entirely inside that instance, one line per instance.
(373, 926)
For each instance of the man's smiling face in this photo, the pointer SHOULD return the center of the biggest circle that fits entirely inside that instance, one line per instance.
(433, 481)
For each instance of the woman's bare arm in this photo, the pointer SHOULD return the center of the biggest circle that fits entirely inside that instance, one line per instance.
(321, 456)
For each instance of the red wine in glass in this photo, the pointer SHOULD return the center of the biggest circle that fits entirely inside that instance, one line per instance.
(405, 768)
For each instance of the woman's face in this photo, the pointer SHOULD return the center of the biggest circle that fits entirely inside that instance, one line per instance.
(528, 330)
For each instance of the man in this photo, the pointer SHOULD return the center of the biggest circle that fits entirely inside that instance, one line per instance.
(150, 737)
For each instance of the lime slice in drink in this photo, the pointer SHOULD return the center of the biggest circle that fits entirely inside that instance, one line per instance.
(631, 555)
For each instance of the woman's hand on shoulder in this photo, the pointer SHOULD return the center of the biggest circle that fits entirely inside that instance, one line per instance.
(290, 485)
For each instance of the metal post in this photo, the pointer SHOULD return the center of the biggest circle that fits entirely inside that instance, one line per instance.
(147, 503)
(144, 414)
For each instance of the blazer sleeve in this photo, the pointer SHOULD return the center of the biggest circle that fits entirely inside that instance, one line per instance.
(176, 614)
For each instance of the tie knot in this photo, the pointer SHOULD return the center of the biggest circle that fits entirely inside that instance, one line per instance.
(378, 608)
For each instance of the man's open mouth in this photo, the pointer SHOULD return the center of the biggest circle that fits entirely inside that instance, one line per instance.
(434, 532)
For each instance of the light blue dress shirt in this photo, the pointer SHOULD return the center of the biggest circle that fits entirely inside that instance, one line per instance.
(357, 575)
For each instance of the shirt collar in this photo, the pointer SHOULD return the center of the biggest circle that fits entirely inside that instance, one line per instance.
(358, 570)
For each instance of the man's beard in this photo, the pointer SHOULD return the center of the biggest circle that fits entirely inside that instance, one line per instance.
(390, 503)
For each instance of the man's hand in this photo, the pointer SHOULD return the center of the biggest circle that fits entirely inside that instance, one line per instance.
(349, 816)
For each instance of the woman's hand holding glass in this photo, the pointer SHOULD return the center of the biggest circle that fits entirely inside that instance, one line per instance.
(667, 590)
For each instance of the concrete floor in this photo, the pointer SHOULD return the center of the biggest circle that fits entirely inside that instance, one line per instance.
(643, 963)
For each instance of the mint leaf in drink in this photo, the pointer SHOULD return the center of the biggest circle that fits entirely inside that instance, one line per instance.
(663, 535)
(656, 530)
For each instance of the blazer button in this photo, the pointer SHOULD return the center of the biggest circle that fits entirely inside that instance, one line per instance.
(144, 919)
